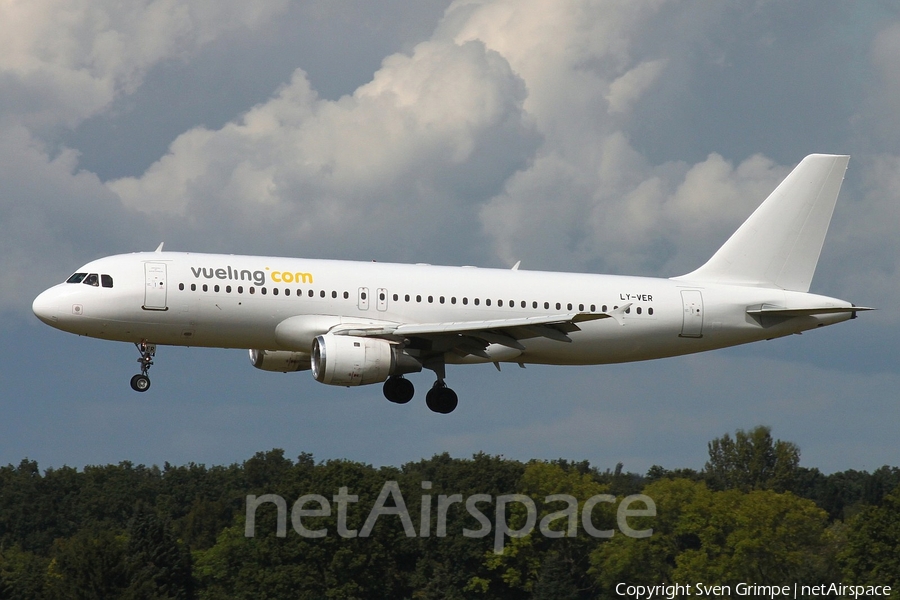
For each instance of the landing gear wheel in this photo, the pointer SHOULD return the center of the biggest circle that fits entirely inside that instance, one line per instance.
(140, 383)
(441, 399)
(398, 390)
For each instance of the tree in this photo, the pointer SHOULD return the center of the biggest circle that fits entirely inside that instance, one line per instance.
(871, 555)
(752, 461)
(158, 565)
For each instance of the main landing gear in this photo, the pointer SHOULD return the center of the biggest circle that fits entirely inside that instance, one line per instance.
(141, 382)
(439, 398)
(398, 390)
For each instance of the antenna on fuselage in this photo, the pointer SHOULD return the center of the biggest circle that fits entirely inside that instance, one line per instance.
(159, 248)
(515, 267)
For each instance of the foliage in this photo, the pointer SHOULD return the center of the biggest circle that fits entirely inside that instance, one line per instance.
(131, 531)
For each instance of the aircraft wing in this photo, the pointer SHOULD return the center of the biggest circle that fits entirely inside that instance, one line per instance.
(472, 337)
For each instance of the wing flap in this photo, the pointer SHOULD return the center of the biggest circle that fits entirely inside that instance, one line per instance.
(467, 326)
(554, 327)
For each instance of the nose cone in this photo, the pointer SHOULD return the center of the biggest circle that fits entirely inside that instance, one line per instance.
(46, 308)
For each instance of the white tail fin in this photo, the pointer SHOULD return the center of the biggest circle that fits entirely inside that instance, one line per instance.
(779, 245)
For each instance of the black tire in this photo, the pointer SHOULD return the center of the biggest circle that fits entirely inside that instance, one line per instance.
(398, 390)
(441, 400)
(140, 383)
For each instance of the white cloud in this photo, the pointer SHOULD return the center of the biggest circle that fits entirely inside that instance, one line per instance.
(62, 61)
(432, 133)
(628, 88)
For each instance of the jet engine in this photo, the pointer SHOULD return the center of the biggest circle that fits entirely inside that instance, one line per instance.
(283, 361)
(349, 360)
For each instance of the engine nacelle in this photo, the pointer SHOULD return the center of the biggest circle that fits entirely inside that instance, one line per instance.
(349, 360)
(283, 361)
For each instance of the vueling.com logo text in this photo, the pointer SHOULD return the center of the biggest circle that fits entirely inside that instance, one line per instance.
(256, 277)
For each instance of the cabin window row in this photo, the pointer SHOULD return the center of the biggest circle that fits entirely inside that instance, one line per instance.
(409, 298)
(262, 290)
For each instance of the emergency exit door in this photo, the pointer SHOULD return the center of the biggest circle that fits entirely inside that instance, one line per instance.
(692, 325)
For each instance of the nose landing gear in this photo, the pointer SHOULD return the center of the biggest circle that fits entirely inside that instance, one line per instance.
(141, 382)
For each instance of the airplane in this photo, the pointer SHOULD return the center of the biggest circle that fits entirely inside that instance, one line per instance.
(359, 323)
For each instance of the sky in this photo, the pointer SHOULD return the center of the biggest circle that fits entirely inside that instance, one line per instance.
(573, 135)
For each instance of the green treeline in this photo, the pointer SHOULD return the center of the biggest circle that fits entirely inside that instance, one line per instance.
(752, 515)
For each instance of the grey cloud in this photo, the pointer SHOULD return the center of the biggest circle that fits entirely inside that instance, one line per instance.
(432, 134)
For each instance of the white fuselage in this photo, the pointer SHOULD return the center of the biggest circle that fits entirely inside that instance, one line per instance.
(228, 301)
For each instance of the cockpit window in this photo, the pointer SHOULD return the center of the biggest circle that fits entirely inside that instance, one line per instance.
(76, 278)
(106, 280)
(92, 279)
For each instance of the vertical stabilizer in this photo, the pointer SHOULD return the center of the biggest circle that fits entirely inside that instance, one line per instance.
(779, 245)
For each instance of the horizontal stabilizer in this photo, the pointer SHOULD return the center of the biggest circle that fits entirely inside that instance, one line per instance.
(805, 312)
(778, 246)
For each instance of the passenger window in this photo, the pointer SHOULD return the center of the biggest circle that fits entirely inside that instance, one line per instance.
(534, 305)
(76, 278)
(193, 287)
(205, 288)
(477, 301)
(465, 300)
(603, 308)
(581, 307)
(558, 306)
(487, 302)
(227, 289)
(523, 304)
(92, 279)
(216, 288)
(181, 286)
(106, 281)
(274, 291)
(240, 289)
(546, 305)
(334, 294)
(638, 310)
(649, 311)
(322, 294)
